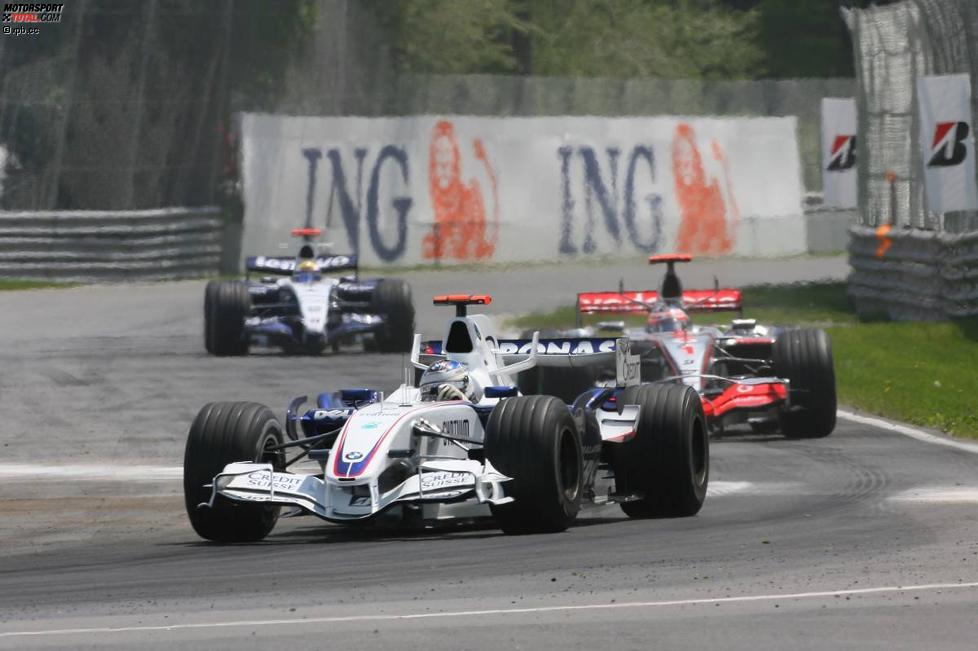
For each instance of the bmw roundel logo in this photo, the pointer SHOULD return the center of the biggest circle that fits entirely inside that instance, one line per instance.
(353, 456)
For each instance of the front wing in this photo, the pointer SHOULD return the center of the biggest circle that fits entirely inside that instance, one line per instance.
(442, 480)
(747, 394)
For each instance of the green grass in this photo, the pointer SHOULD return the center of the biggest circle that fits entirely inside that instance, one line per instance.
(10, 284)
(920, 373)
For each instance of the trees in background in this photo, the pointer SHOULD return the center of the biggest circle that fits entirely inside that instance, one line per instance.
(692, 39)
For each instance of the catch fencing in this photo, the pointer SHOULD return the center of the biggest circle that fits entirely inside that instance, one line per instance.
(128, 121)
(102, 110)
(164, 244)
(907, 261)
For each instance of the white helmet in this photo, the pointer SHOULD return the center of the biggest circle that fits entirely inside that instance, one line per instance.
(448, 380)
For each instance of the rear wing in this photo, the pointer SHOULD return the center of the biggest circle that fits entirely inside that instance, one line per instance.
(284, 266)
(569, 346)
(639, 302)
(567, 352)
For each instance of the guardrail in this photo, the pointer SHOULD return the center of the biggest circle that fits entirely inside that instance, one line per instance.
(913, 274)
(162, 244)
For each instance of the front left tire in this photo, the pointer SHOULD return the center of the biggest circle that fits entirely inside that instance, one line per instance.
(534, 440)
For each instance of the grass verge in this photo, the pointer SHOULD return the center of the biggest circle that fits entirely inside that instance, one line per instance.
(920, 373)
(10, 284)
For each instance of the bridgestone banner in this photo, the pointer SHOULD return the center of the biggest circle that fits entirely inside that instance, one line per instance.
(839, 180)
(947, 143)
(452, 189)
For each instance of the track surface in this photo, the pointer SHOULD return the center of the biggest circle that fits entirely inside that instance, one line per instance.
(99, 377)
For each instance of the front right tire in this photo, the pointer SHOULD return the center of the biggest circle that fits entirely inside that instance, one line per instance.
(223, 433)
(392, 298)
(668, 460)
(226, 306)
(804, 357)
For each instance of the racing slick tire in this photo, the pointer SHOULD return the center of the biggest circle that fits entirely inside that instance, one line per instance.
(222, 433)
(668, 460)
(392, 298)
(226, 306)
(534, 440)
(804, 357)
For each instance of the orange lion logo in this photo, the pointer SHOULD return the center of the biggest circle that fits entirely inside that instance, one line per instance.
(703, 226)
(460, 228)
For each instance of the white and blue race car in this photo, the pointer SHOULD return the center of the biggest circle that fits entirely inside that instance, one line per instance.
(306, 309)
(461, 442)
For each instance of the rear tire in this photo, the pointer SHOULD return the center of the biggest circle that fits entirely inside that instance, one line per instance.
(392, 298)
(222, 433)
(226, 306)
(804, 357)
(669, 458)
(534, 440)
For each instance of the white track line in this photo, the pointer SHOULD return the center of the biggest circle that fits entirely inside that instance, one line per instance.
(718, 488)
(938, 495)
(912, 432)
(497, 611)
(90, 472)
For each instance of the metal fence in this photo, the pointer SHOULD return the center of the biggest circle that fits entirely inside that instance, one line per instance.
(104, 112)
(120, 245)
(908, 262)
(116, 107)
(894, 45)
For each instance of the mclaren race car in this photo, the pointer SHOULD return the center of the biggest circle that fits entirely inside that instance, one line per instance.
(459, 443)
(772, 378)
(306, 309)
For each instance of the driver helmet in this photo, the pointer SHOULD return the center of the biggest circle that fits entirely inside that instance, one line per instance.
(448, 380)
(306, 271)
(667, 319)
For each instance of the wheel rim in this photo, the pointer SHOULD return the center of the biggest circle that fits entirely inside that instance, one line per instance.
(266, 454)
(570, 466)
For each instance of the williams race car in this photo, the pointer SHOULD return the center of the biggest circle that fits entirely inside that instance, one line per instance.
(770, 377)
(307, 310)
(460, 443)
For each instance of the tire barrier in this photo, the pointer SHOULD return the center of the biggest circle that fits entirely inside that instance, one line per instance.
(161, 244)
(913, 274)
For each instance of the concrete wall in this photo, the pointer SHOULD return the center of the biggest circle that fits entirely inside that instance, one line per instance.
(463, 189)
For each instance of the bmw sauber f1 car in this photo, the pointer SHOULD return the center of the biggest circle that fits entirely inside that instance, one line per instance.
(458, 443)
(770, 377)
(306, 310)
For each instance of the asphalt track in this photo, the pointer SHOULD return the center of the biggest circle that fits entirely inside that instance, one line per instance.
(865, 539)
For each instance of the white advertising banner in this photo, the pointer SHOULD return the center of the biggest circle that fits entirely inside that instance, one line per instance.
(456, 189)
(947, 142)
(839, 178)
